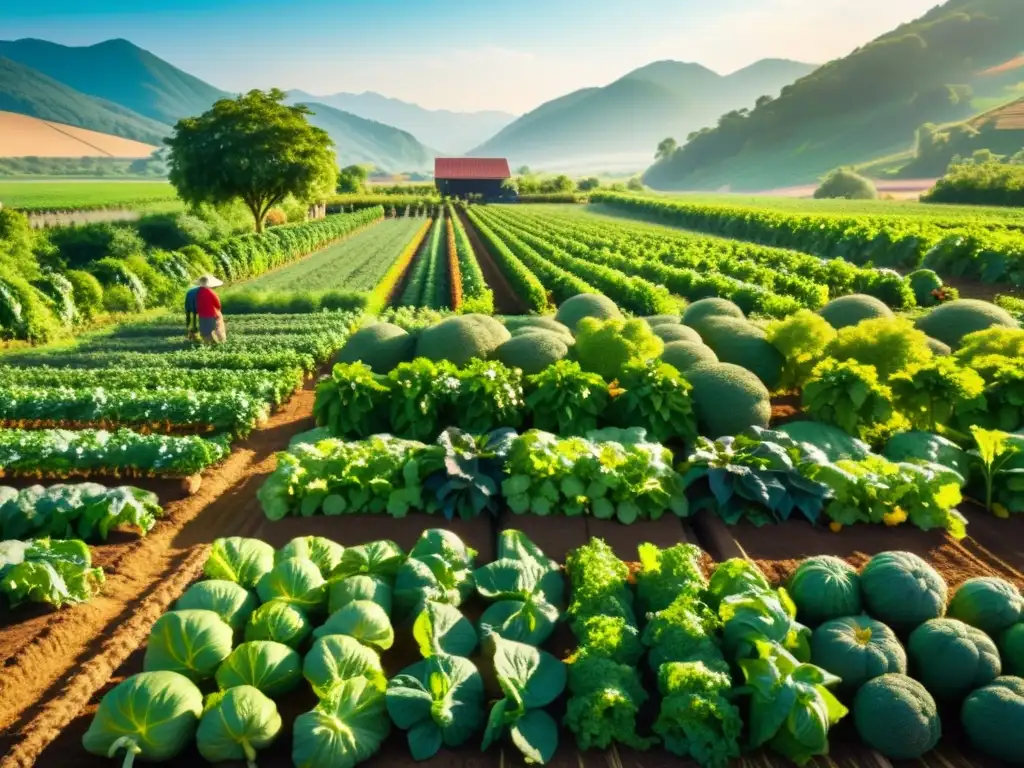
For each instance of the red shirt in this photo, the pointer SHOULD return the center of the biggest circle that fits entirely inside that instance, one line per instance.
(207, 303)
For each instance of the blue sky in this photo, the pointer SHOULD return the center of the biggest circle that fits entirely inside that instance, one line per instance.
(458, 54)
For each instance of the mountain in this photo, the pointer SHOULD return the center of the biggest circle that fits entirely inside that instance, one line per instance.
(631, 115)
(359, 141)
(940, 68)
(455, 132)
(120, 72)
(25, 91)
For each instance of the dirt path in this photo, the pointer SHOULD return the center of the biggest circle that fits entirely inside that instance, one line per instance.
(506, 300)
(53, 663)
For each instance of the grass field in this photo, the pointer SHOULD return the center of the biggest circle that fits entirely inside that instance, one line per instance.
(66, 194)
(356, 264)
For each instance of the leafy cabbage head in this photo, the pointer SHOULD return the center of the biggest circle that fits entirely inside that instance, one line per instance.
(152, 715)
(735, 577)
(430, 578)
(238, 559)
(336, 658)
(236, 724)
(280, 622)
(273, 668)
(229, 600)
(378, 558)
(365, 621)
(341, 592)
(192, 643)
(325, 554)
(441, 629)
(295, 581)
(446, 545)
(345, 729)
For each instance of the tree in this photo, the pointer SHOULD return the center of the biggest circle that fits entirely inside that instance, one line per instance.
(844, 183)
(585, 185)
(253, 148)
(524, 170)
(635, 184)
(352, 179)
(562, 184)
(666, 149)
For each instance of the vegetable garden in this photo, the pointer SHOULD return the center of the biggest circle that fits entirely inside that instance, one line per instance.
(709, 500)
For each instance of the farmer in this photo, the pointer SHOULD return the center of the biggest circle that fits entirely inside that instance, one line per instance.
(211, 321)
(192, 313)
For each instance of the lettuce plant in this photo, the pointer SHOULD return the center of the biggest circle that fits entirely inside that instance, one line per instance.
(849, 395)
(192, 643)
(998, 458)
(241, 560)
(235, 724)
(344, 729)
(366, 621)
(420, 394)
(50, 571)
(931, 394)
(87, 511)
(697, 719)
(655, 397)
(272, 668)
(352, 401)
(489, 395)
(566, 400)
(440, 629)
(335, 660)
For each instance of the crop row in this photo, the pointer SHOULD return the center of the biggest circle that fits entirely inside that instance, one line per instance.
(958, 248)
(86, 511)
(385, 291)
(519, 267)
(427, 283)
(475, 296)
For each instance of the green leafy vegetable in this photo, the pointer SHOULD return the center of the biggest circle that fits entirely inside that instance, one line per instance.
(664, 574)
(335, 659)
(232, 602)
(47, 571)
(273, 668)
(241, 560)
(441, 629)
(655, 397)
(697, 718)
(280, 622)
(235, 724)
(566, 400)
(325, 554)
(294, 581)
(192, 643)
(84, 510)
(343, 730)
(365, 621)
(341, 592)
(378, 558)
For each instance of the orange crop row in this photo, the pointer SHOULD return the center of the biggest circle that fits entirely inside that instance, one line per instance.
(384, 292)
(455, 276)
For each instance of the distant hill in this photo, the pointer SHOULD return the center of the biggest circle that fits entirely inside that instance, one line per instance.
(861, 107)
(359, 141)
(120, 72)
(29, 92)
(631, 115)
(454, 132)
(24, 136)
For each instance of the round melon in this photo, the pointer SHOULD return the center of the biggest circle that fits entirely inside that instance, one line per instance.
(857, 649)
(532, 352)
(902, 590)
(683, 355)
(535, 323)
(951, 321)
(669, 333)
(938, 348)
(951, 658)
(988, 603)
(741, 343)
(850, 310)
(824, 587)
(381, 346)
(696, 313)
(728, 399)
(461, 339)
(1011, 649)
(586, 305)
(897, 716)
(993, 717)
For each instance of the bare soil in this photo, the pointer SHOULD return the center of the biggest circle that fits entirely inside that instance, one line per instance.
(506, 300)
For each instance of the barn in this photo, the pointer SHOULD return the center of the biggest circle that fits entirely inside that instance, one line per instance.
(473, 176)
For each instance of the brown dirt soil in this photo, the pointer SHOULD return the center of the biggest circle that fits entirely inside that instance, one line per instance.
(506, 300)
(787, 408)
(53, 662)
(665, 532)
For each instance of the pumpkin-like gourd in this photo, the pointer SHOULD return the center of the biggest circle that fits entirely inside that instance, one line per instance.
(951, 658)
(857, 649)
(1011, 649)
(988, 603)
(897, 716)
(902, 590)
(823, 588)
(993, 717)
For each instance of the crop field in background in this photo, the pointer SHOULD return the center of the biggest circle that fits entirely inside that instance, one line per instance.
(65, 194)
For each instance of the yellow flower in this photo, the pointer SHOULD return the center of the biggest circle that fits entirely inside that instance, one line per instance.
(835, 527)
(1000, 511)
(895, 517)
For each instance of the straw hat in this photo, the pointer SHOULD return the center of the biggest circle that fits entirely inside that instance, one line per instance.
(209, 281)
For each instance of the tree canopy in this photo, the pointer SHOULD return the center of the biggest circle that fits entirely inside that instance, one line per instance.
(253, 148)
(352, 179)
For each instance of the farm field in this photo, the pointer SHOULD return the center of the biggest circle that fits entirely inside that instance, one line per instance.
(82, 194)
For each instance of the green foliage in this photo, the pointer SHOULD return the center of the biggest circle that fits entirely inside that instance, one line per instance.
(232, 602)
(295, 581)
(608, 347)
(489, 395)
(419, 394)
(728, 399)
(344, 729)
(991, 183)
(532, 353)
(991, 604)
(857, 649)
(48, 571)
(462, 339)
(997, 340)
(342, 591)
(902, 590)
(801, 339)
(353, 401)
(152, 716)
(697, 719)
(236, 723)
(995, 455)
(88, 293)
(991, 715)
(440, 629)
(594, 305)
(824, 588)
(654, 397)
(272, 668)
(363, 620)
(192, 643)
(888, 345)
(85, 511)
(243, 561)
(951, 322)
(927, 287)
(745, 344)
(925, 448)
(280, 622)
(849, 396)
(254, 148)
(665, 574)
(933, 394)
(566, 400)
(1011, 649)
(847, 184)
(336, 659)
(896, 715)
(851, 310)
(951, 658)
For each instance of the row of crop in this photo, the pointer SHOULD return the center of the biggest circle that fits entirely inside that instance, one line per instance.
(427, 284)
(575, 274)
(385, 292)
(86, 511)
(703, 266)
(474, 294)
(957, 248)
(520, 275)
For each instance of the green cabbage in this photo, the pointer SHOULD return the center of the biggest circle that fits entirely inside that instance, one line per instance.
(439, 701)
(280, 622)
(273, 668)
(325, 554)
(152, 715)
(441, 629)
(232, 602)
(446, 545)
(430, 578)
(365, 621)
(336, 658)
(294, 581)
(343, 730)
(235, 724)
(734, 577)
(378, 558)
(192, 643)
(48, 571)
(358, 587)
(241, 560)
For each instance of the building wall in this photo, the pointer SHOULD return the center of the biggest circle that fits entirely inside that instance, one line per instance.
(490, 189)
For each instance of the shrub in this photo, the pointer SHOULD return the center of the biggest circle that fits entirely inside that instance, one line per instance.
(951, 322)
(741, 343)
(606, 347)
(850, 310)
(88, 293)
(119, 298)
(845, 183)
(849, 396)
(83, 245)
(701, 310)
(857, 649)
(275, 218)
(657, 399)
(951, 658)
(933, 393)
(586, 305)
(532, 352)
(669, 332)
(172, 232)
(461, 339)
(682, 355)
(997, 340)
(886, 344)
(988, 603)
(61, 295)
(531, 323)
(902, 590)
(938, 348)
(889, 287)
(925, 283)
(728, 399)
(823, 588)
(896, 715)
(198, 259)
(993, 717)
(801, 339)
(25, 313)
(381, 346)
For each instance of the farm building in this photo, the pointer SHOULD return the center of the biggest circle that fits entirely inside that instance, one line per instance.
(466, 176)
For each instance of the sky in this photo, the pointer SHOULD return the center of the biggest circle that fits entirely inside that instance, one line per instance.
(463, 55)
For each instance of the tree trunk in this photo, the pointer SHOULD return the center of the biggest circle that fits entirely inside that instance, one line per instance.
(254, 209)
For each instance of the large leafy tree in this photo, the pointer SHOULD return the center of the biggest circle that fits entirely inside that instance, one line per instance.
(254, 148)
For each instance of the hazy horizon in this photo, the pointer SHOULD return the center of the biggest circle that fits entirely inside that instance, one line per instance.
(455, 54)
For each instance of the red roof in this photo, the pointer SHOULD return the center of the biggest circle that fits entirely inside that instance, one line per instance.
(471, 168)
